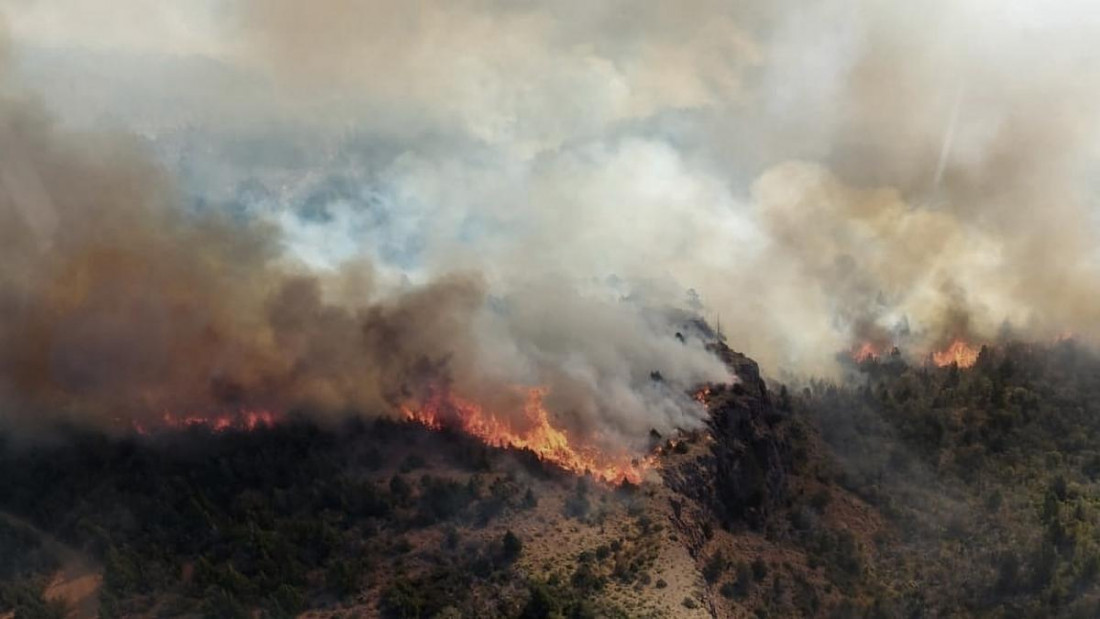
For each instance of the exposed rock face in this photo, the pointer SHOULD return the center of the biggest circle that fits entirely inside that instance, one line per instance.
(743, 477)
(751, 459)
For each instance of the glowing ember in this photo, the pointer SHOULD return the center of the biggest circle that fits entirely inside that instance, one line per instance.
(702, 396)
(541, 438)
(958, 352)
(245, 420)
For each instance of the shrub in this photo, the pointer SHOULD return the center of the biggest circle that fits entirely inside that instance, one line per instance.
(577, 506)
(342, 577)
(728, 590)
(759, 568)
(541, 603)
(411, 463)
(714, 567)
(400, 489)
(513, 546)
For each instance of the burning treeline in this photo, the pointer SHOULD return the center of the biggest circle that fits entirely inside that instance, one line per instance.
(958, 352)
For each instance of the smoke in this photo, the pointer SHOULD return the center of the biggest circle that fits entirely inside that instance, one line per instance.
(954, 197)
(821, 172)
(495, 194)
(118, 304)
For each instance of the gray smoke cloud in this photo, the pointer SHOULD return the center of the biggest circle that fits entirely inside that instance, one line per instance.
(822, 172)
(528, 185)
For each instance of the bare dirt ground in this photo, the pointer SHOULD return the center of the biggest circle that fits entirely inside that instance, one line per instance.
(78, 581)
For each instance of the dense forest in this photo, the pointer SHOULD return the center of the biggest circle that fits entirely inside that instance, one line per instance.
(986, 475)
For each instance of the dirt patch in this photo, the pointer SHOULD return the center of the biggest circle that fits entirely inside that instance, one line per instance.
(79, 592)
(76, 584)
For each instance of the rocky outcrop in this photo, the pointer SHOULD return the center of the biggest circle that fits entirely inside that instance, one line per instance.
(751, 457)
(742, 475)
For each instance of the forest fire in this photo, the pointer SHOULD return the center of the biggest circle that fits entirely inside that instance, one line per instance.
(702, 396)
(244, 420)
(547, 442)
(958, 352)
(867, 351)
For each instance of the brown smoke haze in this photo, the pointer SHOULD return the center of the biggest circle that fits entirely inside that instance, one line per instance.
(819, 173)
(116, 306)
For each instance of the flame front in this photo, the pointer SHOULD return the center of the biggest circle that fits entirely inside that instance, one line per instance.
(866, 351)
(959, 351)
(244, 420)
(547, 442)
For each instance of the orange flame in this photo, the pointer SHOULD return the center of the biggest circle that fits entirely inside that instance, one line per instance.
(245, 420)
(548, 443)
(702, 396)
(958, 352)
(866, 351)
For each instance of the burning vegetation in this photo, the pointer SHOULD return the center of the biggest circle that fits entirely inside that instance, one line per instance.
(869, 351)
(443, 409)
(243, 420)
(959, 352)
(865, 352)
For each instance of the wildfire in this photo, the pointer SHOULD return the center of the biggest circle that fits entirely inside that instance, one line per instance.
(702, 396)
(866, 351)
(548, 443)
(959, 351)
(1065, 336)
(245, 420)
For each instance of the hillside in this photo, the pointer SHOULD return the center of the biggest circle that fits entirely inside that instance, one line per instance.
(906, 491)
